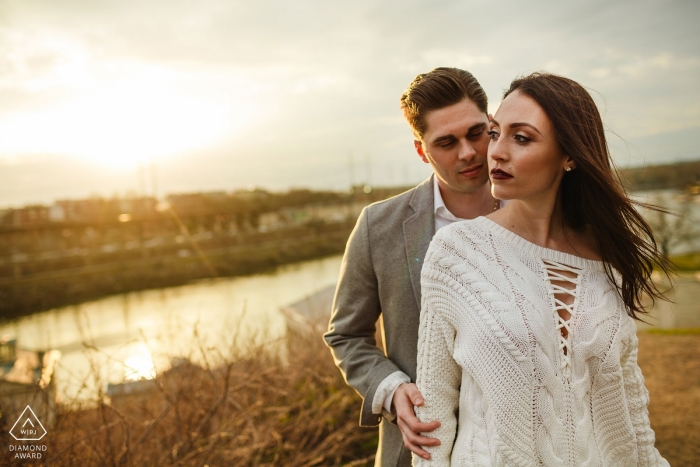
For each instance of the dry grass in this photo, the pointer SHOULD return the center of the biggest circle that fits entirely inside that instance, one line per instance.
(252, 411)
(671, 367)
(268, 410)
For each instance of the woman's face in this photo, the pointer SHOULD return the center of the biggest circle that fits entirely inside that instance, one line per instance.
(525, 161)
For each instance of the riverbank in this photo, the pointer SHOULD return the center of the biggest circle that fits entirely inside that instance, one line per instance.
(239, 256)
(80, 250)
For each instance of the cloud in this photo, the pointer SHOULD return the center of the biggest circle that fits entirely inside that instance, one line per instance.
(311, 82)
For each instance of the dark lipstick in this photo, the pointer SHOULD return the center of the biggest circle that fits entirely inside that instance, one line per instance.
(498, 174)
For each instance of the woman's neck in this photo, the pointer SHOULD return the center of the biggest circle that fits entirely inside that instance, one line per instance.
(543, 224)
(539, 223)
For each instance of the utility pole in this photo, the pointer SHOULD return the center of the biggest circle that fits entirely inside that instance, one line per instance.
(154, 179)
(368, 170)
(351, 171)
(142, 180)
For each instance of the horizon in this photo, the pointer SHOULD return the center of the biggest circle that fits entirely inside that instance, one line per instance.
(219, 96)
(132, 194)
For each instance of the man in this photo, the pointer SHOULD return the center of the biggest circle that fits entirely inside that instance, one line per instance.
(380, 272)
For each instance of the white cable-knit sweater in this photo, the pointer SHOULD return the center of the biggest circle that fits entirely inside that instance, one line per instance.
(509, 387)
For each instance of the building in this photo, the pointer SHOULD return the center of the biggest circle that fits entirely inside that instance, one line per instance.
(26, 379)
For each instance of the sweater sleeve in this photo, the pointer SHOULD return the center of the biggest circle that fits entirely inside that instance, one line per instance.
(438, 379)
(637, 398)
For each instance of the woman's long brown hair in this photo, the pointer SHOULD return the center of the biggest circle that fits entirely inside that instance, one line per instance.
(592, 194)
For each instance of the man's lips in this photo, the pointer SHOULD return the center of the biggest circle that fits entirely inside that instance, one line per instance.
(471, 171)
(498, 174)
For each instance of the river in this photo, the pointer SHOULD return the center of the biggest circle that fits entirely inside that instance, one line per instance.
(135, 335)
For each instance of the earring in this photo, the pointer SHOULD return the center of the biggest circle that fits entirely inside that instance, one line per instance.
(568, 169)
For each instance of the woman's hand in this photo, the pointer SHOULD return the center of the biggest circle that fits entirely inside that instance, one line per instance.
(406, 397)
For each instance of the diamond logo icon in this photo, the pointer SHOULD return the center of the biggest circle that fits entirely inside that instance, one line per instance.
(28, 427)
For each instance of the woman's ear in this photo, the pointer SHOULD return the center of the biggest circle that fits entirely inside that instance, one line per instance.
(570, 164)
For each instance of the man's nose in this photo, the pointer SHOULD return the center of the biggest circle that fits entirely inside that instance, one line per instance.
(466, 151)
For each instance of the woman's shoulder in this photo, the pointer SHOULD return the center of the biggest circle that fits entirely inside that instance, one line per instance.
(466, 233)
(458, 261)
(458, 241)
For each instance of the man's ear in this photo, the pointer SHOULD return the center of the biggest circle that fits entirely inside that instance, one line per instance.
(419, 149)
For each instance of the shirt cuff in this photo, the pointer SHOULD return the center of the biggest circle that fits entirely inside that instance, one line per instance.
(385, 392)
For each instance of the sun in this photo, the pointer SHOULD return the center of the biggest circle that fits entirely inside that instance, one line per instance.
(127, 121)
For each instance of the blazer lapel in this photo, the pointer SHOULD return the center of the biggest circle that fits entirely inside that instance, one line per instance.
(418, 230)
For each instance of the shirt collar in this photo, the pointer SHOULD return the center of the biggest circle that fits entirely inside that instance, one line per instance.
(439, 203)
(440, 209)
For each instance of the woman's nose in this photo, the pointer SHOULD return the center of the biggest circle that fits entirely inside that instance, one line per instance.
(495, 150)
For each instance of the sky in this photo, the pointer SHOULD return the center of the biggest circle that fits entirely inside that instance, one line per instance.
(106, 97)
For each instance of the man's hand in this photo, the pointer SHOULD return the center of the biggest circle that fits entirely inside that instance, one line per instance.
(405, 398)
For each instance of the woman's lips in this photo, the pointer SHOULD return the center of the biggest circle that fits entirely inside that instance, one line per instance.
(498, 174)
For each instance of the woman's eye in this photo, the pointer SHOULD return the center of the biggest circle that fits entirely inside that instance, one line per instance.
(521, 138)
(493, 134)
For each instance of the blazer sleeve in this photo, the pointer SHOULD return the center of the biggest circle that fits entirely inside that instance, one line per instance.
(351, 332)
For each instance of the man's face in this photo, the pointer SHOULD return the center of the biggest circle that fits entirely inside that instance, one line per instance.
(455, 144)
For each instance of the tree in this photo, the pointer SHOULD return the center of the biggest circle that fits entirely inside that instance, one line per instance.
(676, 226)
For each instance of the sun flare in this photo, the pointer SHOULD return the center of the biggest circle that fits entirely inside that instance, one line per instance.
(123, 123)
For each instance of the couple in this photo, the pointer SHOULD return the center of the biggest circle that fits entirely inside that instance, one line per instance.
(509, 337)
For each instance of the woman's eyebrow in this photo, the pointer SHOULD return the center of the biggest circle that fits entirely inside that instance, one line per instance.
(519, 124)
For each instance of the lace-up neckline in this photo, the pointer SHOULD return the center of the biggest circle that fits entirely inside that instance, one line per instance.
(564, 282)
(563, 276)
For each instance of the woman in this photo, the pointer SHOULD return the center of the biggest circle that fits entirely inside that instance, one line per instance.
(527, 351)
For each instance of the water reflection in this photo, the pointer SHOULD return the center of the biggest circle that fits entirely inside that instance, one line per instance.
(134, 335)
(139, 364)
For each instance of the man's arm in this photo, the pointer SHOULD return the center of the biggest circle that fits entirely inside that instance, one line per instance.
(352, 326)
(351, 337)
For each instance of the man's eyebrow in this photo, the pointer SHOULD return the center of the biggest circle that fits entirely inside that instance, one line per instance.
(472, 129)
(478, 126)
(443, 138)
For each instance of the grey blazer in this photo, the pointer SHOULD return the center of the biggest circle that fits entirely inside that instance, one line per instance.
(380, 275)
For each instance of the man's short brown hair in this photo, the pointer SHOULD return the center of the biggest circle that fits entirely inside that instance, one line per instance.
(439, 88)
